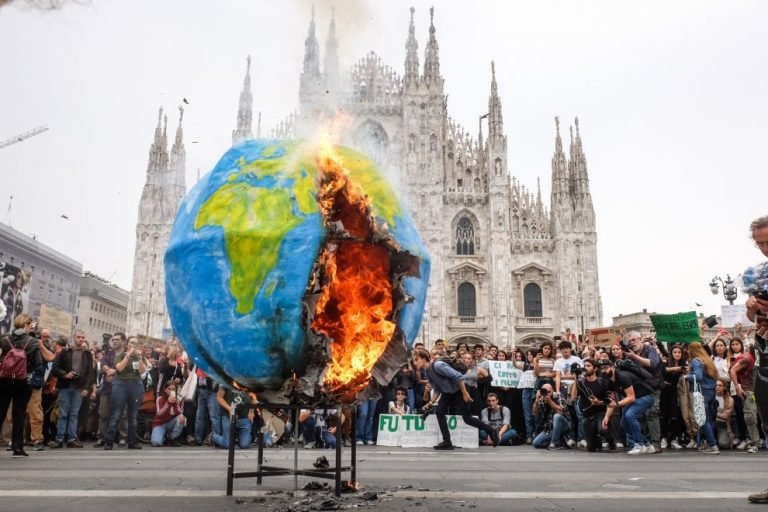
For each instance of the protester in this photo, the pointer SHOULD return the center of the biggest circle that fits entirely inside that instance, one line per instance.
(127, 391)
(399, 405)
(499, 418)
(555, 426)
(169, 420)
(76, 379)
(671, 426)
(647, 356)
(636, 398)
(227, 398)
(735, 354)
(723, 418)
(449, 384)
(743, 379)
(704, 372)
(593, 393)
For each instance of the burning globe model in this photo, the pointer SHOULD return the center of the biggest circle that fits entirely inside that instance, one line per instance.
(293, 268)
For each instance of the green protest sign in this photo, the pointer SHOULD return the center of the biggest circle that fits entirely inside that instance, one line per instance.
(678, 328)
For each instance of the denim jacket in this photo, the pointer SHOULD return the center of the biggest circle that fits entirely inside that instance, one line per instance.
(703, 380)
(443, 377)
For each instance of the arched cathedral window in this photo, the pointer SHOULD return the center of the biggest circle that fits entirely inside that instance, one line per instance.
(532, 300)
(467, 300)
(372, 140)
(465, 237)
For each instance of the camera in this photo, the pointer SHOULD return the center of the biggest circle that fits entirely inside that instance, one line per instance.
(576, 369)
(624, 344)
(543, 392)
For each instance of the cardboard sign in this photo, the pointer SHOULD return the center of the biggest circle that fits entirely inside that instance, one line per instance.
(677, 328)
(602, 335)
(731, 315)
(57, 321)
(410, 431)
(504, 374)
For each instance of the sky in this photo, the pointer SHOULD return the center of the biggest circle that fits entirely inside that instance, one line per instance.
(672, 100)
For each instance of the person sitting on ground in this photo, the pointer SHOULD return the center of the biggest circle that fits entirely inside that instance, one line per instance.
(169, 420)
(498, 417)
(398, 405)
(228, 397)
(318, 427)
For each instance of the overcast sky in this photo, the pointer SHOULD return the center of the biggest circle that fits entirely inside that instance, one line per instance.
(672, 99)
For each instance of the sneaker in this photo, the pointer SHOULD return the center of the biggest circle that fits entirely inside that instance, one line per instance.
(703, 446)
(208, 441)
(309, 446)
(583, 443)
(752, 449)
(571, 443)
(107, 446)
(619, 446)
(553, 446)
(638, 449)
(712, 450)
(675, 445)
(56, 444)
(664, 444)
(359, 442)
(691, 445)
(528, 440)
(444, 446)
(99, 443)
(74, 444)
(605, 445)
(655, 449)
(121, 443)
(760, 497)
(38, 446)
(743, 445)
(17, 454)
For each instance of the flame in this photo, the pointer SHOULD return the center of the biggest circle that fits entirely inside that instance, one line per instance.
(355, 305)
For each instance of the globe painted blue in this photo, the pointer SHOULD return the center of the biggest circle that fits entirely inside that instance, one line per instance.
(241, 254)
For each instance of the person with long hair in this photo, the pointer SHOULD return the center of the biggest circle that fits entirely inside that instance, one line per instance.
(670, 406)
(743, 378)
(736, 354)
(704, 373)
(724, 411)
(544, 364)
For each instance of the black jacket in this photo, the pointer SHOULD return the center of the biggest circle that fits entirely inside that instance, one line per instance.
(35, 363)
(63, 365)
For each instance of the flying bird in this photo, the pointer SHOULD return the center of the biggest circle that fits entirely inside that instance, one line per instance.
(697, 304)
(64, 217)
(185, 101)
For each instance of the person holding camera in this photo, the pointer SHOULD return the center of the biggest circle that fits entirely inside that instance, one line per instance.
(593, 394)
(127, 390)
(76, 379)
(646, 356)
(169, 420)
(637, 399)
(549, 407)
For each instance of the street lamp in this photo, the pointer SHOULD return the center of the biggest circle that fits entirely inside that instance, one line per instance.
(729, 288)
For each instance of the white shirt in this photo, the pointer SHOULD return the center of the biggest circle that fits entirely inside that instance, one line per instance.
(563, 366)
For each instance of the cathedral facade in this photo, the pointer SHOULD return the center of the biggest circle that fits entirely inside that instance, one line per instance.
(506, 269)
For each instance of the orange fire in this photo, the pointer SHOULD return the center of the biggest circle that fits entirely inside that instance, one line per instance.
(355, 305)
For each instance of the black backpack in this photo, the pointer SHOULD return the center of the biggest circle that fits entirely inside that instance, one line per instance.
(646, 377)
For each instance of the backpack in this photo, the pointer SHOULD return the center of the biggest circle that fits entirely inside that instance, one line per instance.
(645, 378)
(14, 364)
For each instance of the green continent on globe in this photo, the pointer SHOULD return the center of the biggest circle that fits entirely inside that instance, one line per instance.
(255, 222)
(266, 198)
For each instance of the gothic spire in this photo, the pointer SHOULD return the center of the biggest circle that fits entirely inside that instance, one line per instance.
(158, 151)
(495, 121)
(411, 76)
(178, 159)
(331, 62)
(245, 109)
(578, 166)
(431, 56)
(559, 170)
(310, 76)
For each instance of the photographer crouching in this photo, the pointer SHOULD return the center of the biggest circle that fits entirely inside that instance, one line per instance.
(645, 356)
(593, 393)
(555, 426)
(636, 400)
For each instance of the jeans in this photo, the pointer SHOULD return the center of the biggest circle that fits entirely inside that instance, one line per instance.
(173, 427)
(365, 413)
(208, 409)
(505, 439)
(630, 420)
(593, 429)
(318, 435)
(242, 433)
(128, 393)
(70, 400)
(710, 405)
(528, 411)
(652, 419)
(561, 427)
(456, 401)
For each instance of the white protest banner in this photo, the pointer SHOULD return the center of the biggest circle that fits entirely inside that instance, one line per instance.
(410, 431)
(731, 315)
(504, 374)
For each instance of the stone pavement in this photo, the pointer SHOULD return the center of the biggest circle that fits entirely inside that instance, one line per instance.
(519, 478)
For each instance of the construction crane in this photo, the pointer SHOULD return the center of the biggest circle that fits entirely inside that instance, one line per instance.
(22, 136)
